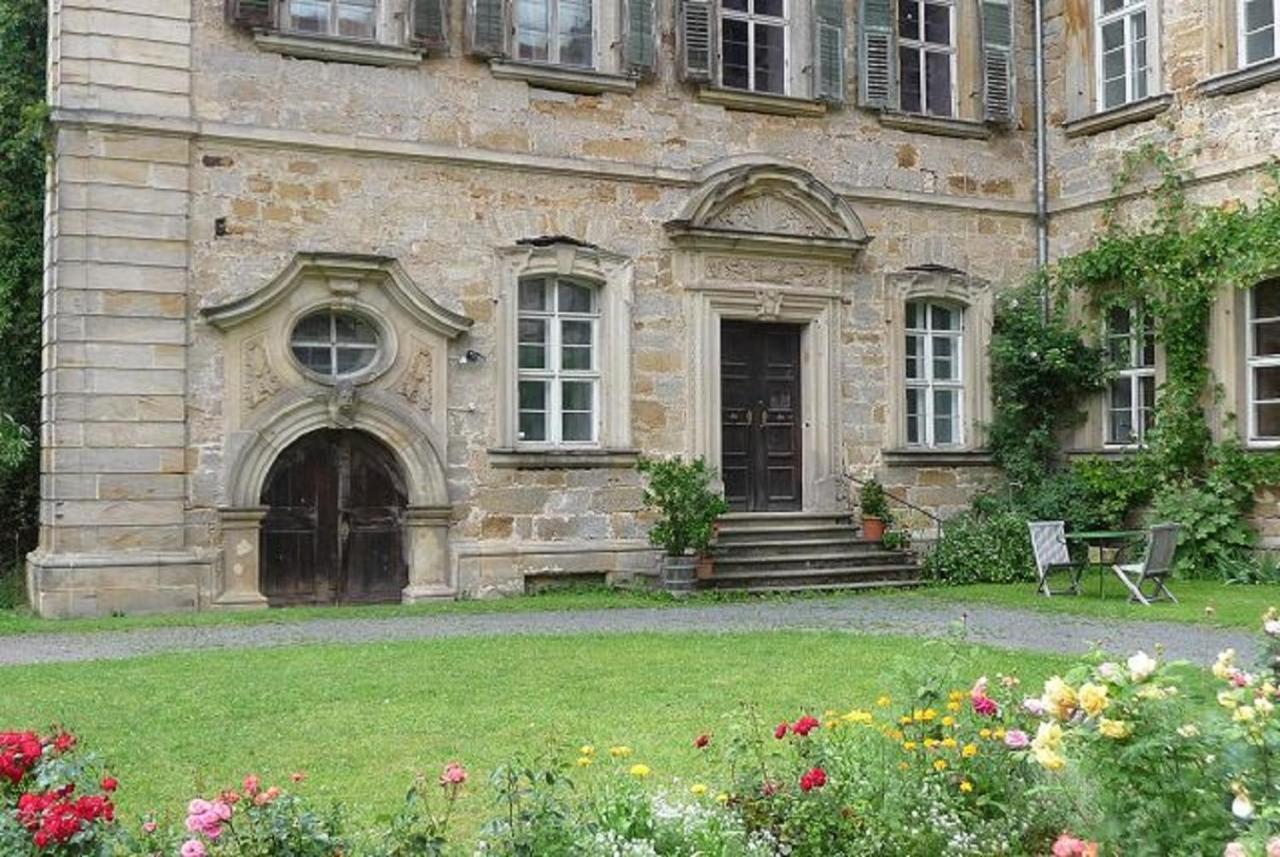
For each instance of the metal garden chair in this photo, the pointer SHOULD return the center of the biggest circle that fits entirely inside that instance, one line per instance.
(1156, 565)
(1049, 542)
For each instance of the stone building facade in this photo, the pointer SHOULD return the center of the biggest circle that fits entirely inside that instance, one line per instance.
(451, 266)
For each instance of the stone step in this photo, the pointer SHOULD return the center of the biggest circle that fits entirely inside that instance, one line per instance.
(811, 578)
(774, 560)
(847, 544)
(789, 521)
(766, 588)
(841, 533)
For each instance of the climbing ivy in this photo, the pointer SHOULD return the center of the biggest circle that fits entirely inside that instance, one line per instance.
(1173, 264)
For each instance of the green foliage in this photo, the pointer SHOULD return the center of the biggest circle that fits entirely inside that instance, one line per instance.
(874, 502)
(12, 587)
(22, 169)
(983, 547)
(680, 492)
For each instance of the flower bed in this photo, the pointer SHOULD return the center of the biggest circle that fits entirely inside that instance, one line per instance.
(1111, 757)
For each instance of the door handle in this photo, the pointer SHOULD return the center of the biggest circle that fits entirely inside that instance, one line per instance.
(750, 416)
(344, 526)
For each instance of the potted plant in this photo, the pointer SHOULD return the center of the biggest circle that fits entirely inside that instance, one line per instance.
(875, 510)
(680, 492)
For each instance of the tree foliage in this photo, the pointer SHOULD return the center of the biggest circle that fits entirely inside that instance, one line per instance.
(22, 177)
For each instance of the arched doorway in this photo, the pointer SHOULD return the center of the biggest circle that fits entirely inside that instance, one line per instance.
(334, 527)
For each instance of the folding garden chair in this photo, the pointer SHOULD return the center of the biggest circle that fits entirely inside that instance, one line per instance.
(1156, 565)
(1049, 542)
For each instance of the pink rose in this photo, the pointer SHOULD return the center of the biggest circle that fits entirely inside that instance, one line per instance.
(252, 784)
(1033, 706)
(149, 827)
(1234, 849)
(1016, 739)
(453, 775)
(193, 848)
(1273, 846)
(198, 807)
(1067, 846)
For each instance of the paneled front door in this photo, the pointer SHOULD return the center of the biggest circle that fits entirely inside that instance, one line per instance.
(760, 416)
(334, 528)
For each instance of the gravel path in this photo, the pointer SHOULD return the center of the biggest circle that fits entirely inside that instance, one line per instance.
(996, 626)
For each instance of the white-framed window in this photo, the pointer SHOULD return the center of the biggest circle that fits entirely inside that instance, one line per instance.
(927, 57)
(1257, 31)
(1131, 394)
(1123, 63)
(558, 362)
(335, 345)
(934, 366)
(350, 19)
(559, 32)
(755, 45)
(1263, 361)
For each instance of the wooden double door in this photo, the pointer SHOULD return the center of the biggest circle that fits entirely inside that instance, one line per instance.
(334, 528)
(760, 416)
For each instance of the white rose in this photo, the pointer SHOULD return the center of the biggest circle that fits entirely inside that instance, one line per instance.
(1242, 807)
(1141, 666)
(1272, 627)
(1109, 670)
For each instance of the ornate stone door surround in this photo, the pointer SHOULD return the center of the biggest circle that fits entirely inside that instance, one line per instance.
(271, 401)
(764, 240)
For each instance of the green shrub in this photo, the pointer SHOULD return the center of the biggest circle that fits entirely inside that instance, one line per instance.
(983, 548)
(13, 587)
(680, 492)
(874, 501)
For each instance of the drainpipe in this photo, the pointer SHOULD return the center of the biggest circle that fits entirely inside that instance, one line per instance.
(1042, 154)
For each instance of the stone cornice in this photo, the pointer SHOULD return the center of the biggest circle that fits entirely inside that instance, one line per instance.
(359, 145)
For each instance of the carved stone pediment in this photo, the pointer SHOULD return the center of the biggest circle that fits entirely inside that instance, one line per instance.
(769, 214)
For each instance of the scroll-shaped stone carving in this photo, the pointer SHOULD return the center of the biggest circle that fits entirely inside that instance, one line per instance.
(768, 214)
(259, 381)
(415, 384)
(783, 272)
(342, 405)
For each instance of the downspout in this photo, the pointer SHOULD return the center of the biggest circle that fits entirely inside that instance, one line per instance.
(1042, 155)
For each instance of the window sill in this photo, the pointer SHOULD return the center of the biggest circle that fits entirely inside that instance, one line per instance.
(1249, 77)
(563, 459)
(582, 81)
(1125, 114)
(939, 126)
(938, 458)
(759, 102)
(337, 50)
(1109, 452)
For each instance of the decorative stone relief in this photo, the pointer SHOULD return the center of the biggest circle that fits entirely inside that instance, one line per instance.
(769, 304)
(342, 405)
(415, 383)
(769, 214)
(780, 271)
(260, 380)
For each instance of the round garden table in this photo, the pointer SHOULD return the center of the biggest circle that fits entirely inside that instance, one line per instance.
(1098, 541)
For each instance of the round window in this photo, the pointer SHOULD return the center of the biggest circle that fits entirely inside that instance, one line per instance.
(335, 344)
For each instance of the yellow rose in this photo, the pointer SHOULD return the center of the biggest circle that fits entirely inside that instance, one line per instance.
(1116, 729)
(697, 789)
(640, 771)
(969, 751)
(1059, 698)
(1093, 699)
(620, 752)
(1243, 714)
(1049, 760)
(1048, 737)
(1227, 699)
(1224, 665)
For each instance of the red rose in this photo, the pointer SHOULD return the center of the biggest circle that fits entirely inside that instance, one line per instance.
(64, 742)
(110, 784)
(805, 725)
(252, 784)
(814, 779)
(781, 731)
(702, 740)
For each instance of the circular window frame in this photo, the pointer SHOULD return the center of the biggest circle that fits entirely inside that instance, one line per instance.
(384, 354)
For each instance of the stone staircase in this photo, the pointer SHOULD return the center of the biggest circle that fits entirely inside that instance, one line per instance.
(798, 551)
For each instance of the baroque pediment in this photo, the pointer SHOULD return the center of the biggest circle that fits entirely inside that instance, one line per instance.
(769, 213)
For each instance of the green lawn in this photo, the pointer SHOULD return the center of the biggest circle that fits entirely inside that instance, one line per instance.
(362, 719)
(1199, 601)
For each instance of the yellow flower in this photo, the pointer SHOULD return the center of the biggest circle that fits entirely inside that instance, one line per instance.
(955, 696)
(1225, 664)
(1048, 737)
(1116, 729)
(1049, 760)
(903, 766)
(1243, 714)
(697, 789)
(884, 701)
(584, 761)
(640, 771)
(587, 750)
(969, 751)
(950, 743)
(939, 764)
(930, 743)
(857, 715)
(984, 733)
(953, 706)
(904, 720)
(908, 745)
(621, 751)
(1227, 699)
(1093, 699)
(1059, 698)
(948, 721)
(999, 734)
(895, 734)
(723, 797)
(833, 723)
(966, 786)
(928, 714)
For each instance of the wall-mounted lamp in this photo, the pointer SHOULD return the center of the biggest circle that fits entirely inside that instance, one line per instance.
(471, 356)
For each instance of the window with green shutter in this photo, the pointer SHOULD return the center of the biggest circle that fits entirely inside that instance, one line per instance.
(997, 61)
(877, 55)
(429, 24)
(697, 26)
(251, 14)
(639, 41)
(829, 42)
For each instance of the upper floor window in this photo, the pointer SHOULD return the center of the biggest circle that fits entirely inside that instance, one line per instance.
(934, 373)
(560, 32)
(1263, 343)
(352, 19)
(1131, 394)
(1257, 37)
(558, 365)
(754, 45)
(1123, 68)
(927, 57)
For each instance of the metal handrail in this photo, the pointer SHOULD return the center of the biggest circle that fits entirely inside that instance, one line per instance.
(903, 501)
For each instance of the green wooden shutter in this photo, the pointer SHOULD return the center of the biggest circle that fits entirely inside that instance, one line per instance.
(639, 46)
(252, 14)
(697, 35)
(430, 25)
(999, 104)
(487, 28)
(828, 51)
(877, 55)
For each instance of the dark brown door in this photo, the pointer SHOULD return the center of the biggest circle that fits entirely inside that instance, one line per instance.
(334, 530)
(760, 416)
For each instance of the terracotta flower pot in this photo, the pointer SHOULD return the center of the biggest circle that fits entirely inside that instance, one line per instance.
(705, 567)
(872, 528)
